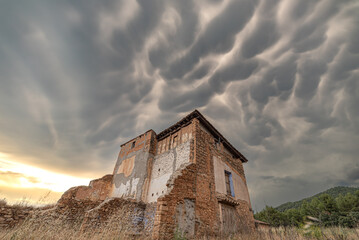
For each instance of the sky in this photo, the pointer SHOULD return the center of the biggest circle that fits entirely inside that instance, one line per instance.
(279, 79)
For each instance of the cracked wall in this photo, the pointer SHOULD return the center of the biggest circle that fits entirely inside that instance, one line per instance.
(164, 166)
(131, 171)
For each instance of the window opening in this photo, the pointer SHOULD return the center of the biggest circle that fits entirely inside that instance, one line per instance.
(229, 183)
(217, 143)
(133, 144)
(174, 141)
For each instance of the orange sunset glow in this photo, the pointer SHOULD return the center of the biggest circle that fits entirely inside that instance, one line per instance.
(21, 182)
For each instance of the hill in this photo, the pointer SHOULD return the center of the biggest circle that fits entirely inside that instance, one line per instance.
(334, 192)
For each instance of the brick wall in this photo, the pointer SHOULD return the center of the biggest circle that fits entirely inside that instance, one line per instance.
(206, 151)
(183, 187)
(206, 202)
(194, 188)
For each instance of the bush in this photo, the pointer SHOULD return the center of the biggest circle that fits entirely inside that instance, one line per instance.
(3, 202)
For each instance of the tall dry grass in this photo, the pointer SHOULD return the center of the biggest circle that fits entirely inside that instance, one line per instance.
(116, 229)
(292, 233)
(45, 227)
(50, 226)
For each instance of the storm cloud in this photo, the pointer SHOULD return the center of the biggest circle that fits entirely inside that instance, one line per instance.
(278, 78)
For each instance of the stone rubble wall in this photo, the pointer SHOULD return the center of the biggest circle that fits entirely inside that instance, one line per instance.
(123, 214)
(98, 190)
(11, 216)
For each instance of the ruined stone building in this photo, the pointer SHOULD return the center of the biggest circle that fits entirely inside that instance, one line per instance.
(187, 180)
(190, 177)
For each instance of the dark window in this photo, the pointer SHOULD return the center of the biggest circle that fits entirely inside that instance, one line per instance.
(133, 144)
(229, 183)
(217, 143)
(174, 139)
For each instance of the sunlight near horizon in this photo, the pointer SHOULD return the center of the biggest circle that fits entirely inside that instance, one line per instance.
(18, 175)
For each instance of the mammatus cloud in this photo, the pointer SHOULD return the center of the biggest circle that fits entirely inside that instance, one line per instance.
(278, 78)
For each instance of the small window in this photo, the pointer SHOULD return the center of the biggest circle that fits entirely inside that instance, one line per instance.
(133, 144)
(229, 183)
(217, 143)
(174, 141)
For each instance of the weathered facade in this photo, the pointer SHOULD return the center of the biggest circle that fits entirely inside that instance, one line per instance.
(191, 177)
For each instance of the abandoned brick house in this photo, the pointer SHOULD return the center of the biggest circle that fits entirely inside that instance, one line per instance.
(188, 179)
(192, 176)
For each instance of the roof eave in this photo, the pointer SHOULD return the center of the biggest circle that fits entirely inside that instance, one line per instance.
(188, 119)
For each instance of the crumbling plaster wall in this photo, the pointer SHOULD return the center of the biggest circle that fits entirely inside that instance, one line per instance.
(164, 165)
(171, 141)
(131, 171)
(142, 171)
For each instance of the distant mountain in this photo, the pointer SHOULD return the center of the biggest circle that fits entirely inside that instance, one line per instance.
(334, 192)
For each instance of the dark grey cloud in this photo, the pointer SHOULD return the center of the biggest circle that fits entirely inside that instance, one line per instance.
(278, 78)
(265, 32)
(218, 37)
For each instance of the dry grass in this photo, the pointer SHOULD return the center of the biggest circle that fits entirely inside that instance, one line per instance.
(57, 229)
(334, 233)
(50, 227)
(45, 227)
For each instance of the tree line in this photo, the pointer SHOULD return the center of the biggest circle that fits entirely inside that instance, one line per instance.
(340, 211)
